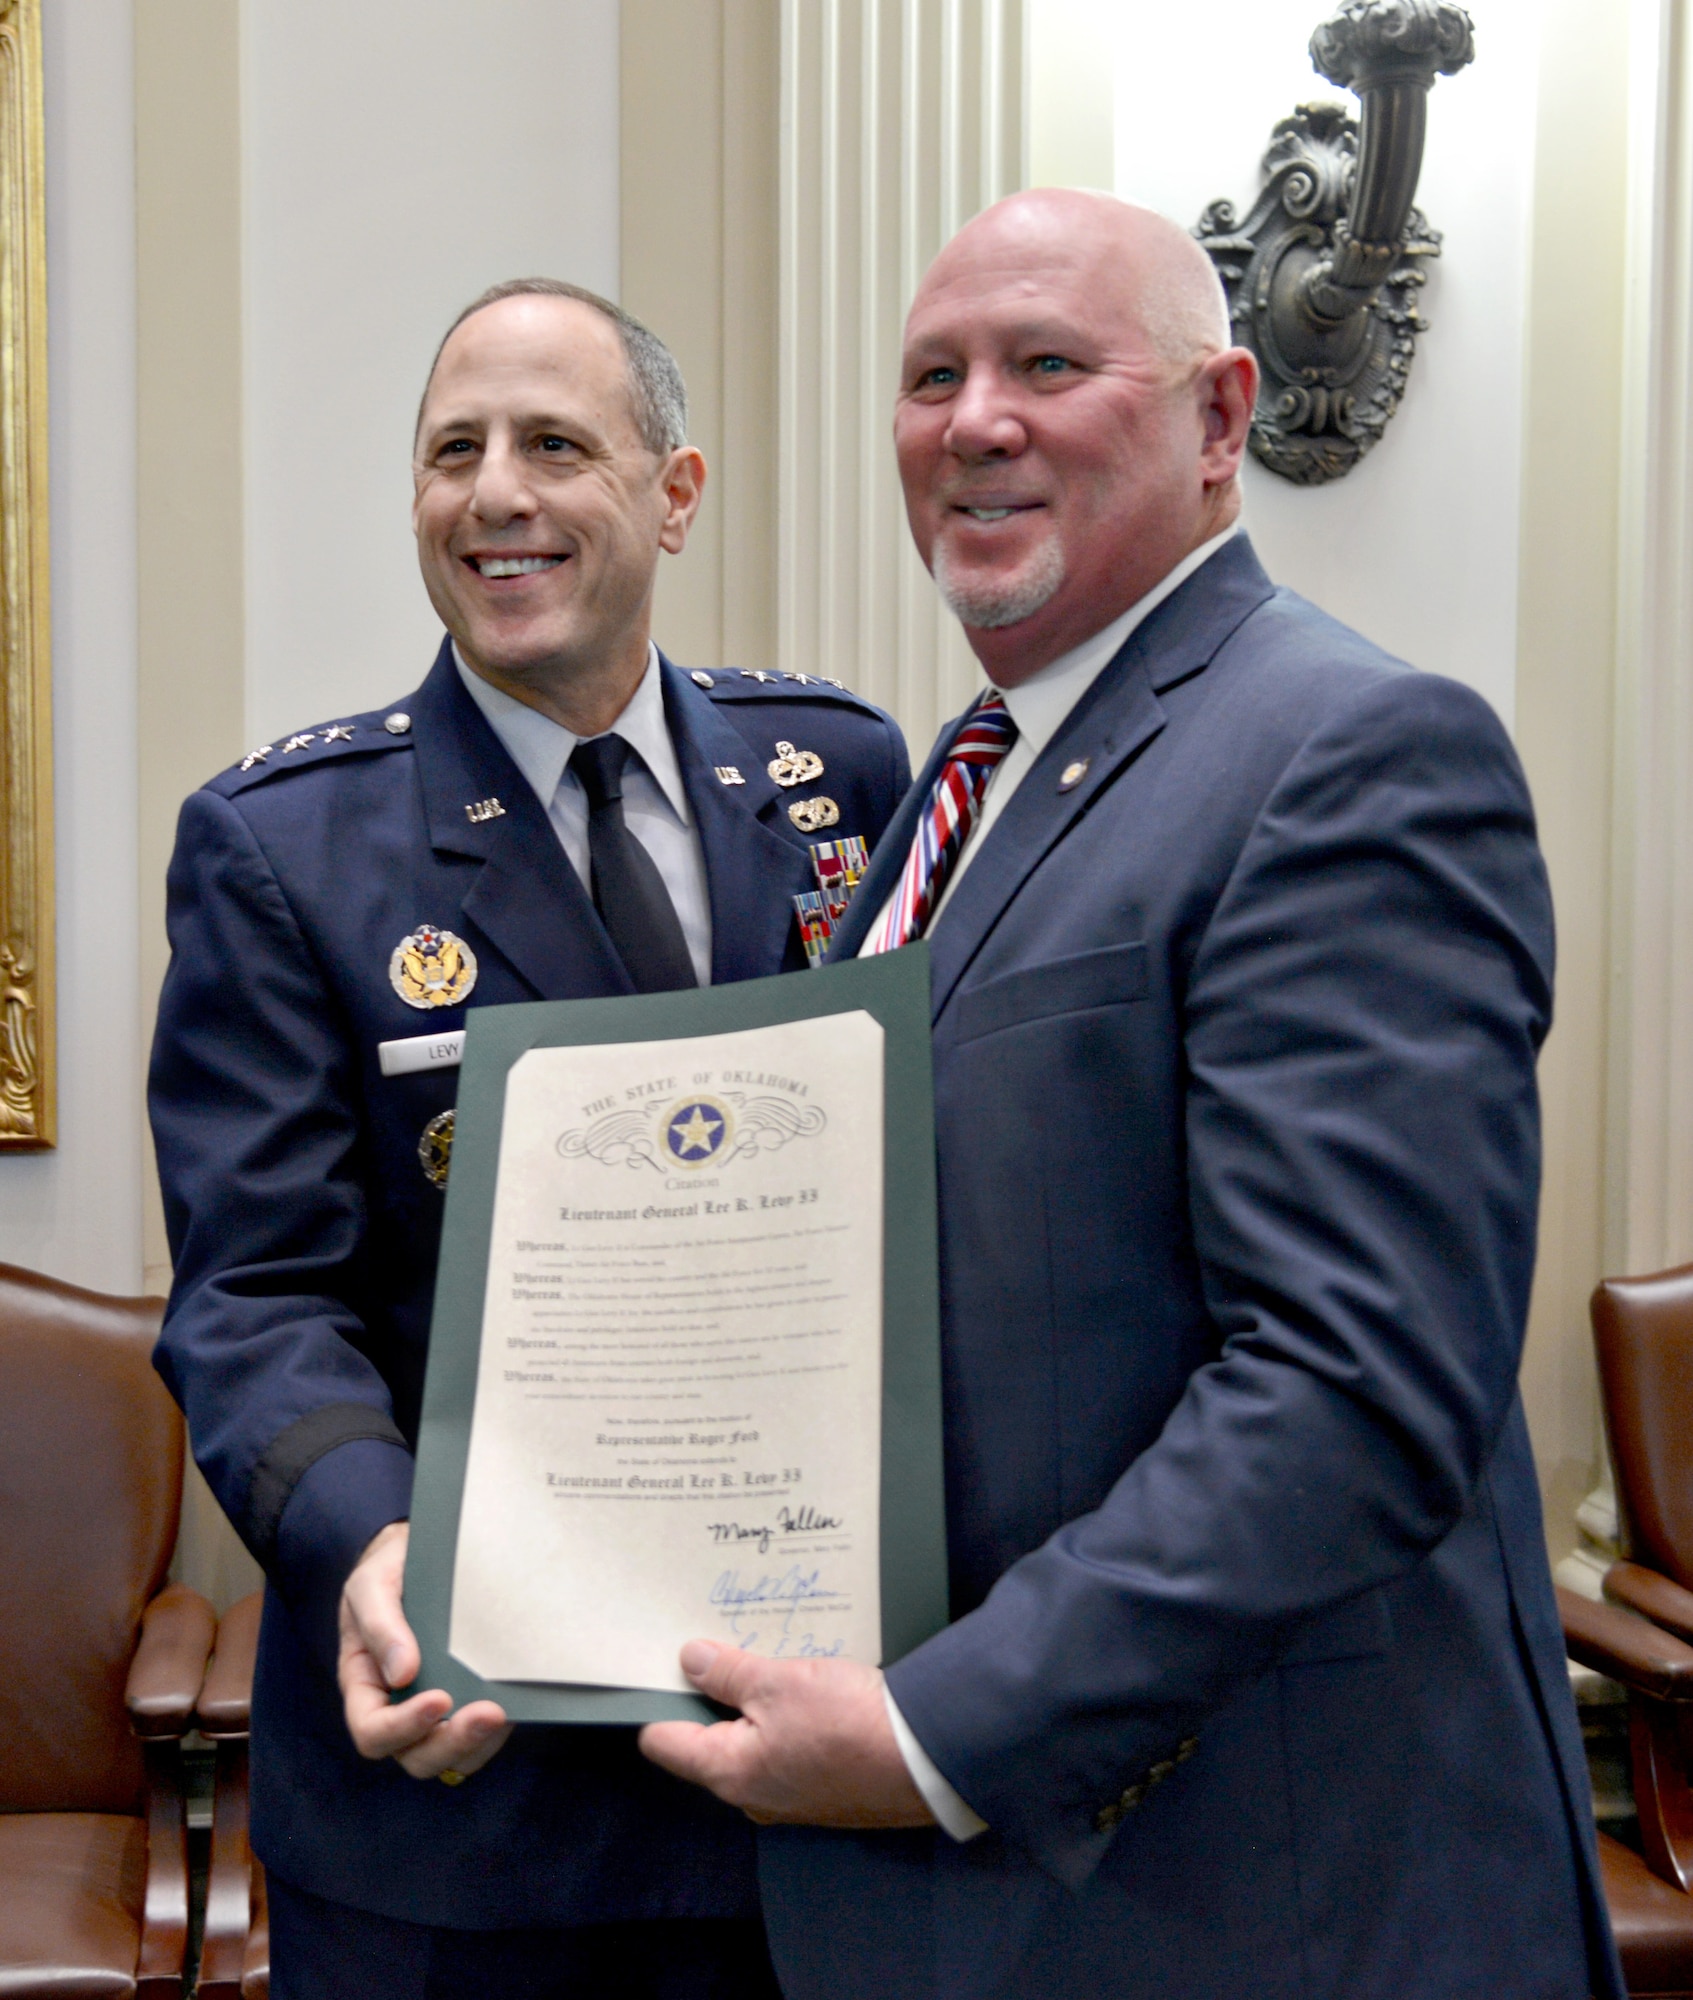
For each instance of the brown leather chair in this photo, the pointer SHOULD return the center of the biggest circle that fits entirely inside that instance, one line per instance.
(100, 1660)
(235, 1954)
(1643, 1331)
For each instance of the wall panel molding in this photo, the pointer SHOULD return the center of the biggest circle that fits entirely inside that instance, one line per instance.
(1649, 1178)
(697, 243)
(900, 119)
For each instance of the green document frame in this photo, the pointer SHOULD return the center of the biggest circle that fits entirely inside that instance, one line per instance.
(894, 990)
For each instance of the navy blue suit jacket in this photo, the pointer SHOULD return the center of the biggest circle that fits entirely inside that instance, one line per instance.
(305, 1231)
(1238, 1165)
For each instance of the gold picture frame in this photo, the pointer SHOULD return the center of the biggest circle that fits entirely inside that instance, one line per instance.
(28, 1102)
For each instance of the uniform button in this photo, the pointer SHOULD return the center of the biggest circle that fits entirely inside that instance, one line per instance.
(701, 679)
(398, 723)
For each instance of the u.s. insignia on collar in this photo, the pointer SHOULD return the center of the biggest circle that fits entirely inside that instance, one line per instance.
(435, 1149)
(432, 968)
(795, 767)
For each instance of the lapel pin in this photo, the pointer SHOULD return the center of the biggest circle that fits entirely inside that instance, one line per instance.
(432, 968)
(1073, 774)
(795, 767)
(810, 814)
(484, 809)
(728, 775)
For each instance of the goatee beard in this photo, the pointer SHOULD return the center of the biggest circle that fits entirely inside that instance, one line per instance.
(989, 603)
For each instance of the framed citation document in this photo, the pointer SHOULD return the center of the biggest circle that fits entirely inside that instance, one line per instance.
(684, 1374)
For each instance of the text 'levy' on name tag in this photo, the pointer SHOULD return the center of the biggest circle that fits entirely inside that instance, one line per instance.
(421, 1052)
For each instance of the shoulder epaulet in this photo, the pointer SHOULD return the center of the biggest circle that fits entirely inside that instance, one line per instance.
(359, 736)
(758, 684)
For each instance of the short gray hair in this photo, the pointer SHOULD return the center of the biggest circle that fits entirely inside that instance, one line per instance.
(656, 389)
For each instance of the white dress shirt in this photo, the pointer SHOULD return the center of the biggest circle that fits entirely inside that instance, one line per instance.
(1039, 707)
(655, 805)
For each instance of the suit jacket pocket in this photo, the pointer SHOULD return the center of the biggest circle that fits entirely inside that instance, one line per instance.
(1359, 1628)
(1061, 986)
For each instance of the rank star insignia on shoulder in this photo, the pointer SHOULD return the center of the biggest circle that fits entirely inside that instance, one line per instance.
(306, 749)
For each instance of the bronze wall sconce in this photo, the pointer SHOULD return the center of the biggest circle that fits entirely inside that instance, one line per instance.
(1322, 277)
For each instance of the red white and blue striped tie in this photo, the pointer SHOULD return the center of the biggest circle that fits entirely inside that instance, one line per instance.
(954, 806)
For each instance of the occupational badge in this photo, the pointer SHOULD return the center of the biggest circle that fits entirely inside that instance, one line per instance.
(432, 968)
(435, 1150)
(810, 814)
(794, 767)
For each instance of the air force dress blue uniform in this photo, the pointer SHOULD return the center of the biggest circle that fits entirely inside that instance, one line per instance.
(304, 1222)
(1235, 1021)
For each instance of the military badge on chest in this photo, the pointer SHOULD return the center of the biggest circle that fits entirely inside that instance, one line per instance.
(435, 1150)
(432, 968)
(790, 767)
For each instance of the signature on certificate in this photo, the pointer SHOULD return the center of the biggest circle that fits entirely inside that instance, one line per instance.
(782, 1596)
(788, 1521)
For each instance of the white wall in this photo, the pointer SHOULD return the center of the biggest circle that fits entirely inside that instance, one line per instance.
(398, 156)
(76, 1212)
(1417, 547)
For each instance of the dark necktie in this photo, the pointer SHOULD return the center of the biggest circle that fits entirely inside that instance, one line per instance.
(629, 892)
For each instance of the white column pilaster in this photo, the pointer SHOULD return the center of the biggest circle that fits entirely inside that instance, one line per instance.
(900, 120)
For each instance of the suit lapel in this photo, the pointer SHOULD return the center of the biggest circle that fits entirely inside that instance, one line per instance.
(752, 870)
(1107, 734)
(1108, 728)
(527, 900)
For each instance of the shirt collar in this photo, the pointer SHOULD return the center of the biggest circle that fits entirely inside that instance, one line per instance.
(1039, 705)
(541, 748)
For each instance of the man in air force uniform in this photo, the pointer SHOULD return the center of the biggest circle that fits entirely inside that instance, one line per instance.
(558, 812)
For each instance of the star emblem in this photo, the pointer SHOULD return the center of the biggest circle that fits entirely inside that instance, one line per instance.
(257, 756)
(756, 674)
(339, 732)
(299, 742)
(696, 1133)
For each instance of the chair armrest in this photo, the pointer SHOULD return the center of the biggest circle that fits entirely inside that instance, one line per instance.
(226, 1700)
(1628, 1648)
(177, 1629)
(1653, 1596)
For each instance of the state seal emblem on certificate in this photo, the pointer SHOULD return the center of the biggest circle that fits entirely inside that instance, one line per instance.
(684, 1371)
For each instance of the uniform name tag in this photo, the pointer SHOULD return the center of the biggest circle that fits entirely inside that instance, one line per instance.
(421, 1052)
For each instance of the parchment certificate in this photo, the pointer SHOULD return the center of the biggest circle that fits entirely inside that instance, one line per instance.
(677, 1428)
